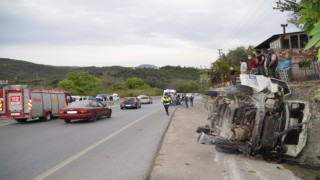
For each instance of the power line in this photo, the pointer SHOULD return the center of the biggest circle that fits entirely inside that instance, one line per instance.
(244, 24)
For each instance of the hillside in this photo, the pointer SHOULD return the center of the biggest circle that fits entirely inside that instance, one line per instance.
(23, 72)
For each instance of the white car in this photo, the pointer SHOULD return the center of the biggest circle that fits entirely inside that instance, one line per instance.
(144, 99)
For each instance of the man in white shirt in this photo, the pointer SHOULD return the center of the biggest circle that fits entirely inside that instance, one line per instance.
(243, 67)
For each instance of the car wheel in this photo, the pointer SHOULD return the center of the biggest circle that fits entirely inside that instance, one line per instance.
(239, 91)
(227, 149)
(211, 93)
(94, 118)
(23, 120)
(109, 114)
(67, 121)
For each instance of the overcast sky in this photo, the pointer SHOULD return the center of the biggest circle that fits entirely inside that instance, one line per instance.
(133, 32)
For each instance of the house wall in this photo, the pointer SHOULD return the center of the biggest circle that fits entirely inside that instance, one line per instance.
(296, 55)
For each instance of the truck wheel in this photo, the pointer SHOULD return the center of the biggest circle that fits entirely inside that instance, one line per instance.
(21, 120)
(94, 118)
(239, 90)
(67, 121)
(227, 149)
(48, 116)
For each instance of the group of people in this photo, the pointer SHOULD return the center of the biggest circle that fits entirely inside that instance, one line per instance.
(167, 100)
(262, 65)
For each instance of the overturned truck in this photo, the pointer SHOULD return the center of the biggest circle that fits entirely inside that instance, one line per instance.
(257, 118)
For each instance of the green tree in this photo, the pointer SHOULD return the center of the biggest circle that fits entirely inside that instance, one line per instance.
(233, 56)
(291, 6)
(80, 83)
(135, 83)
(310, 19)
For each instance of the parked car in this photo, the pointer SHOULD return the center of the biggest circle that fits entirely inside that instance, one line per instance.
(130, 102)
(115, 97)
(89, 98)
(102, 97)
(256, 118)
(144, 99)
(86, 109)
(76, 98)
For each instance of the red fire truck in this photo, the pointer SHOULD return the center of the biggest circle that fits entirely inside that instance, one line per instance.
(22, 103)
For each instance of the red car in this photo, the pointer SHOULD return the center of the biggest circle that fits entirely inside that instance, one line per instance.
(86, 109)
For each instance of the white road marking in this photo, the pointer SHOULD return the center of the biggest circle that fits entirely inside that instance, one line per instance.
(84, 151)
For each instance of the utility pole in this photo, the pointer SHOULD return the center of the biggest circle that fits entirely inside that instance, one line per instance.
(221, 76)
(219, 51)
(284, 29)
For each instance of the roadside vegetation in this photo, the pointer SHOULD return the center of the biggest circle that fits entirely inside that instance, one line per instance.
(89, 81)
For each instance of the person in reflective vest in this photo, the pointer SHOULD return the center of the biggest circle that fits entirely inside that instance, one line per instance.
(166, 100)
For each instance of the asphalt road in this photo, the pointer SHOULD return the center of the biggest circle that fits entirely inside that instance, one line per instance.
(122, 147)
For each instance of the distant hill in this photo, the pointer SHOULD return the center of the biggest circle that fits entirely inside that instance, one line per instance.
(147, 66)
(23, 72)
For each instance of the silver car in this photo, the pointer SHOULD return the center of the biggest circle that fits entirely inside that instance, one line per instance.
(144, 99)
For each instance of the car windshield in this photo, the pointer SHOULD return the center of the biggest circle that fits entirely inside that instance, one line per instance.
(78, 104)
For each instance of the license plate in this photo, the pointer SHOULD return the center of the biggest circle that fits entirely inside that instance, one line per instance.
(15, 114)
(128, 105)
(72, 112)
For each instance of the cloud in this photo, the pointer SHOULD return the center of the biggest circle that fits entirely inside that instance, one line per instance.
(179, 28)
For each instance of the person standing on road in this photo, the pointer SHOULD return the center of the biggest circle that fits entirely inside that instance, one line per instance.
(186, 100)
(111, 99)
(272, 63)
(191, 100)
(261, 59)
(166, 101)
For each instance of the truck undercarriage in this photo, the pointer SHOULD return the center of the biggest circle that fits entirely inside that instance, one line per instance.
(256, 118)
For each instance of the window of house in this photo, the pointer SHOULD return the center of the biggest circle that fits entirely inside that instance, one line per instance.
(294, 41)
(285, 44)
(303, 40)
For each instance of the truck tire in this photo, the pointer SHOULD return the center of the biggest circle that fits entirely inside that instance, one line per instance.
(22, 120)
(211, 93)
(47, 117)
(227, 149)
(67, 121)
(239, 91)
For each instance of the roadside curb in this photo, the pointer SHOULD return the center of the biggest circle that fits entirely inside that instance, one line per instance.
(160, 144)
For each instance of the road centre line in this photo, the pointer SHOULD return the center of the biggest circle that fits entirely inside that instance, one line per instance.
(86, 150)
